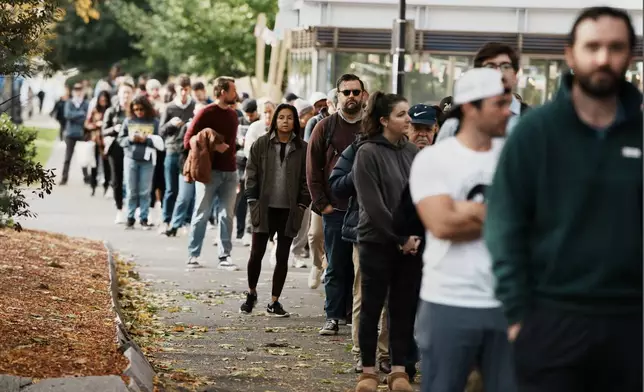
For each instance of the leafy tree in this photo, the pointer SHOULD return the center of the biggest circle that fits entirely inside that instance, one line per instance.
(88, 45)
(18, 170)
(201, 36)
(24, 24)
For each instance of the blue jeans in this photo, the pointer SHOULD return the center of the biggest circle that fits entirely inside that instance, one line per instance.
(138, 177)
(185, 203)
(241, 205)
(171, 174)
(454, 340)
(223, 185)
(338, 284)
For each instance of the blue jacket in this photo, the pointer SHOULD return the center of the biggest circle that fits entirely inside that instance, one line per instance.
(75, 116)
(136, 151)
(341, 182)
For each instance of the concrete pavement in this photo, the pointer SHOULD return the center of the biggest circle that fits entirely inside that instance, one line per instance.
(238, 353)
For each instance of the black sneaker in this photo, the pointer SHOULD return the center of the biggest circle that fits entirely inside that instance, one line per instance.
(130, 224)
(251, 301)
(276, 310)
(330, 328)
(145, 225)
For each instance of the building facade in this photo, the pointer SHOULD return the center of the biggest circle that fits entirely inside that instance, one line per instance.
(331, 37)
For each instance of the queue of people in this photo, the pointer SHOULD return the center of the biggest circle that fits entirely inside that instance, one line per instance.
(484, 239)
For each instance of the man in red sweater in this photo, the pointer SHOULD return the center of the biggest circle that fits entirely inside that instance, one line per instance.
(223, 180)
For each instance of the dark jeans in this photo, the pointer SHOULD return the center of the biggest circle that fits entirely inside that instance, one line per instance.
(158, 181)
(454, 340)
(277, 219)
(70, 144)
(241, 208)
(116, 168)
(561, 351)
(172, 171)
(385, 269)
(106, 169)
(338, 280)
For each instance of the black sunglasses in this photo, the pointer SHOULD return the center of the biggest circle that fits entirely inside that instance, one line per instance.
(349, 92)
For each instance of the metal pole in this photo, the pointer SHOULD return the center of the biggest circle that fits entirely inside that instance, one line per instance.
(398, 78)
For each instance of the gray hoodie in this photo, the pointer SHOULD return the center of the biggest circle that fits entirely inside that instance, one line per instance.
(380, 174)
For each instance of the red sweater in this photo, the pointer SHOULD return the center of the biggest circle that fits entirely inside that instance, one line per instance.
(222, 121)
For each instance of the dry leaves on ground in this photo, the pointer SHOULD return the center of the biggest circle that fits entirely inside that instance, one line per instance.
(140, 310)
(56, 317)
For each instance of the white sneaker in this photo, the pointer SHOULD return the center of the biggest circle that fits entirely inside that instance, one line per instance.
(193, 262)
(273, 255)
(211, 226)
(215, 242)
(109, 194)
(227, 265)
(247, 239)
(120, 217)
(315, 277)
(298, 262)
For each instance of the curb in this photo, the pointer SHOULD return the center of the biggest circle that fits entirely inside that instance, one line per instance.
(139, 370)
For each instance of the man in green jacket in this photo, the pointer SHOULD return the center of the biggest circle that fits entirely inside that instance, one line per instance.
(564, 221)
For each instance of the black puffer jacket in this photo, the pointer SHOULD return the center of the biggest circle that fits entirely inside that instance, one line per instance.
(341, 182)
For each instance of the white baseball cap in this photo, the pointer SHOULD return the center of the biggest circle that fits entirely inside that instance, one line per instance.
(477, 83)
(317, 96)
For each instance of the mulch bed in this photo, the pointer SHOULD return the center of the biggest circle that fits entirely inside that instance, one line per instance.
(56, 317)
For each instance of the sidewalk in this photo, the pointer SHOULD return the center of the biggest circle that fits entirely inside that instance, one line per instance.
(238, 353)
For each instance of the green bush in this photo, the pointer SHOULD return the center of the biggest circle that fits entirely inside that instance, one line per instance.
(19, 172)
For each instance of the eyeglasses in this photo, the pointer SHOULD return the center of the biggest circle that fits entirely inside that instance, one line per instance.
(504, 67)
(355, 93)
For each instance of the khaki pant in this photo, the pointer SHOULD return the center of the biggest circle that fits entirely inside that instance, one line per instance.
(316, 241)
(383, 336)
(299, 242)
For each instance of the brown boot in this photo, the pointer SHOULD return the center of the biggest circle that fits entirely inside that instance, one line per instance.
(399, 382)
(367, 383)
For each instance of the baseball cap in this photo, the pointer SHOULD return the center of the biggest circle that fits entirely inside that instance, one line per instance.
(249, 106)
(473, 85)
(477, 83)
(317, 96)
(302, 106)
(423, 114)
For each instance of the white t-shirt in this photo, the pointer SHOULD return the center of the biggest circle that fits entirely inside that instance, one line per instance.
(455, 274)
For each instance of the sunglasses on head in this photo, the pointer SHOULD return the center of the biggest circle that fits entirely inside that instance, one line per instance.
(355, 93)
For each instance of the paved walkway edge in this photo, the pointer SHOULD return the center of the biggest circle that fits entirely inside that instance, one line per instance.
(140, 371)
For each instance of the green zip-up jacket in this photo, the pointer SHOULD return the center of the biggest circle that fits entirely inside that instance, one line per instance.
(564, 219)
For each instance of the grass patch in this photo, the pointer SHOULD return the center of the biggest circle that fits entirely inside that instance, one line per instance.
(47, 137)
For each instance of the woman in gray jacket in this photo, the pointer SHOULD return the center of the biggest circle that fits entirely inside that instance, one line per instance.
(380, 173)
(277, 195)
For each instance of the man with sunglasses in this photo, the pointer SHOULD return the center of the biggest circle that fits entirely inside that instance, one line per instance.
(330, 137)
(499, 56)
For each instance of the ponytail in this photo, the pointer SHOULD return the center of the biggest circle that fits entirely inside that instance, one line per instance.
(379, 105)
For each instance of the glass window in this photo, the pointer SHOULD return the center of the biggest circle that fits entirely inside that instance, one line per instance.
(427, 78)
(634, 74)
(532, 81)
(300, 74)
(373, 68)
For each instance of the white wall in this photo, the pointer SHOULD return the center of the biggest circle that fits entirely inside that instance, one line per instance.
(543, 16)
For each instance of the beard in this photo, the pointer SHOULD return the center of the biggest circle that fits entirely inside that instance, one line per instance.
(352, 107)
(600, 88)
(230, 101)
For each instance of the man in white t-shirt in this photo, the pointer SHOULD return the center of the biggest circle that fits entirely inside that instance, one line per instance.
(460, 324)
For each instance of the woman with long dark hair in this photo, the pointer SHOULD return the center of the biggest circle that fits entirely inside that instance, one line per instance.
(277, 195)
(380, 174)
(94, 124)
(140, 141)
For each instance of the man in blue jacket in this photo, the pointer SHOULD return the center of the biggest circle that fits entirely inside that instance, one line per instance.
(75, 113)
(564, 221)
